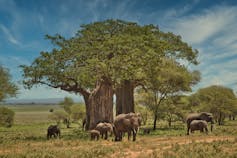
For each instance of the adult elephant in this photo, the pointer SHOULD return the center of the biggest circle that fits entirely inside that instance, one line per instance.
(126, 123)
(208, 117)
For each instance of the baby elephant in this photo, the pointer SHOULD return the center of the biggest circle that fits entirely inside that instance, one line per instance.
(146, 131)
(198, 125)
(95, 134)
(53, 130)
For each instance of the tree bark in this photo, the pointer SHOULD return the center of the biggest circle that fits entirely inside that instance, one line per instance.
(219, 119)
(169, 122)
(125, 97)
(86, 99)
(101, 103)
(154, 123)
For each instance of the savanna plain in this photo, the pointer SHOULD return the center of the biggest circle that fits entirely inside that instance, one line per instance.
(27, 139)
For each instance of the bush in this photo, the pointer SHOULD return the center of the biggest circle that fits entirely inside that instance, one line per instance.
(78, 112)
(58, 116)
(6, 117)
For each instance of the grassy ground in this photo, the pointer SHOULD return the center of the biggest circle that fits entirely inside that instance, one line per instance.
(27, 138)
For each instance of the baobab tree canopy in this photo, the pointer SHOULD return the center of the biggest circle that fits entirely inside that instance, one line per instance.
(101, 56)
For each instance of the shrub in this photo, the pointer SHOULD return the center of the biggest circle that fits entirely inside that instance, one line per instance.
(6, 117)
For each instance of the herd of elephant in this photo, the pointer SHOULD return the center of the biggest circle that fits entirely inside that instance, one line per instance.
(130, 123)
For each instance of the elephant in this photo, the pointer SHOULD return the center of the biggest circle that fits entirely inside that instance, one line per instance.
(208, 117)
(95, 134)
(104, 128)
(198, 125)
(53, 130)
(146, 131)
(126, 123)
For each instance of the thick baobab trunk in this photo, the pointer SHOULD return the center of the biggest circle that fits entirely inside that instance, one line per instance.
(125, 98)
(101, 103)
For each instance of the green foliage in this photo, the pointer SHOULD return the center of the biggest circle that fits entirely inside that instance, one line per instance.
(66, 104)
(111, 50)
(218, 100)
(58, 116)
(7, 88)
(78, 112)
(6, 117)
(144, 111)
(171, 111)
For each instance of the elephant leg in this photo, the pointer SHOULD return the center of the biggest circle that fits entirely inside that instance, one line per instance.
(134, 134)
(201, 130)
(106, 135)
(120, 136)
(188, 128)
(206, 130)
(129, 134)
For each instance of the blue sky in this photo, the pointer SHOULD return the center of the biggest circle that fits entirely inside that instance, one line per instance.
(209, 26)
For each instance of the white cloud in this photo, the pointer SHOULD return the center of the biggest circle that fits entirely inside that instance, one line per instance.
(10, 37)
(198, 28)
(174, 12)
(212, 32)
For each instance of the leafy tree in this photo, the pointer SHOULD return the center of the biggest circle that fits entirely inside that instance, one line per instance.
(78, 112)
(6, 117)
(172, 109)
(218, 100)
(66, 104)
(58, 116)
(144, 111)
(7, 88)
(102, 58)
(170, 78)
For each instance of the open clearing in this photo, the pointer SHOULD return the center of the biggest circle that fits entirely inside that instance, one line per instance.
(144, 146)
(27, 139)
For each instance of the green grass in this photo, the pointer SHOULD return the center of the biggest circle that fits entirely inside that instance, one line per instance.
(32, 114)
(27, 138)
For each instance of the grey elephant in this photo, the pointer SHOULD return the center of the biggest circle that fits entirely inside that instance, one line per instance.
(126, 123)
(95, 134)
(146, 131)
(53, 130)
(104, 128)
(208, 117)
(200, 125)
